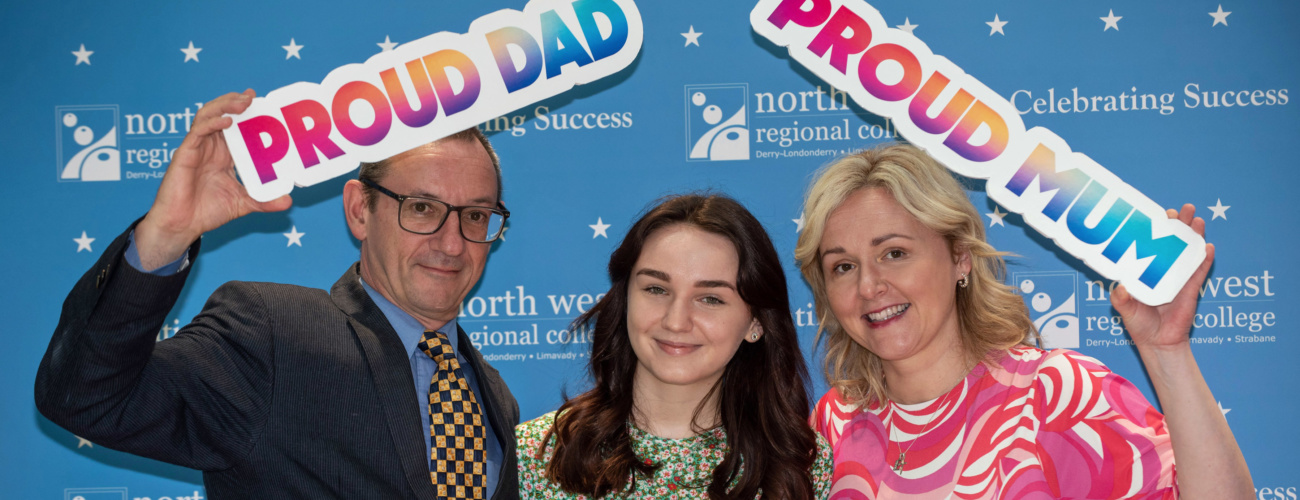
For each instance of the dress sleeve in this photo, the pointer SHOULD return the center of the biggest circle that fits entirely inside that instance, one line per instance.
(528, 437)
(822, 468)
(1100, 437)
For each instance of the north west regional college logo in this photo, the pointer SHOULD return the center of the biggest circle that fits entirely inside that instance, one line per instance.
(86, 142)
(717, 122)
(1053, 303)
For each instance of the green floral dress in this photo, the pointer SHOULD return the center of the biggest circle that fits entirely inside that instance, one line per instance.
(685, 471)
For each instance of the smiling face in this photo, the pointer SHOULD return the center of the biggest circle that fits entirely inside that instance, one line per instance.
(685, 318)
(425, 275)
(891, 281)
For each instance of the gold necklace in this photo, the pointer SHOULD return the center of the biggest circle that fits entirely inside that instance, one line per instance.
(902, 454)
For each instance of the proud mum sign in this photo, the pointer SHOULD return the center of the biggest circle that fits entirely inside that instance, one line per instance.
(1083, 207)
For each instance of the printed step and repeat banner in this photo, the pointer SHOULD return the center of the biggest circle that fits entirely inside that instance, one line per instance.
(1186, 102)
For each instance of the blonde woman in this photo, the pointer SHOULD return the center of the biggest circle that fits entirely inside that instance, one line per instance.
(937, 388)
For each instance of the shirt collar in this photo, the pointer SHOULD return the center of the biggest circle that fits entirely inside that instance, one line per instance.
(408, 329)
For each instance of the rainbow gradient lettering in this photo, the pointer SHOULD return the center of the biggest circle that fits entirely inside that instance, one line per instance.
(1084, 208)
(306, 133)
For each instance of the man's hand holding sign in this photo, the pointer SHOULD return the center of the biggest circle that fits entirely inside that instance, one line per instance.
(199, 193)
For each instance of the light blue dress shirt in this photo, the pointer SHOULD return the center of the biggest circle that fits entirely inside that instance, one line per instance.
(423, 368)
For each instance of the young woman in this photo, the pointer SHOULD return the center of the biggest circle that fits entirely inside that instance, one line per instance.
(700, 387)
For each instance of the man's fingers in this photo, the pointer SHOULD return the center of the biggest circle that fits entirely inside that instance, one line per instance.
(216, 106)
(202, 128)
(279, 204)
(231, 103)
(239, 103)
(212, 118)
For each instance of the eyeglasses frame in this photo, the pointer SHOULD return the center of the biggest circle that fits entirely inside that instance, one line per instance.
(401, 199)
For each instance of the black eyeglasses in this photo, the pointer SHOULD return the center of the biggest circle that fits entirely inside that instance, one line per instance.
(427, 215)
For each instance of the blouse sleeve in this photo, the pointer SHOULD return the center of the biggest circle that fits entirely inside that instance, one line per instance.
(528, 436)
(1100, 437)
(822, 468)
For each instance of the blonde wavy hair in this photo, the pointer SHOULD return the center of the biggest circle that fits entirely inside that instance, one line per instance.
(993, 317)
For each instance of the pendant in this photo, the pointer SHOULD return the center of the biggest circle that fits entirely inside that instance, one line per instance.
(898, 464)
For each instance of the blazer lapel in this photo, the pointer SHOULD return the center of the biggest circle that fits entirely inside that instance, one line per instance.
(391, 371)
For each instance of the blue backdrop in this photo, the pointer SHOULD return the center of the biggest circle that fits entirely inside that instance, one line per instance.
(1186, 101)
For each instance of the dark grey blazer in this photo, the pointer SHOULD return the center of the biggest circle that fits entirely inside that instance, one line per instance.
(274, 391)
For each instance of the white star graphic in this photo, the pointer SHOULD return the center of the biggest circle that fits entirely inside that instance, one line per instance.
(1219, 209)
(599, 228)
(692, 37)
(1112, 21)
(83, 243)
(995, 218)
(503, 233)
(191, 53)
(1220, 17)
(1222, 409)
(995, 26)
(291, 50)
(81, 441)
(798, 223)
(907, 25)
(295, 237)
(83, 55)
(387, 44)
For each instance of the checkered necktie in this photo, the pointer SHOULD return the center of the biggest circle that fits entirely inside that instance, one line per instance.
(458, 458)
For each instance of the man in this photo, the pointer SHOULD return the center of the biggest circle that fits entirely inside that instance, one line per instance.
(278, 391)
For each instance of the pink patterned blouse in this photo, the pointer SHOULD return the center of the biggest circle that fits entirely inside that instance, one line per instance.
(1040, 424)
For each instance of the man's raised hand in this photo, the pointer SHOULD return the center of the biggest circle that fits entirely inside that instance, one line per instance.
(199, 192)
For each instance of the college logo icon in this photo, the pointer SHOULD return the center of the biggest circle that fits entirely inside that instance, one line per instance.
(94, 494)
(717, 122)
(86, 142)
(1054, 306)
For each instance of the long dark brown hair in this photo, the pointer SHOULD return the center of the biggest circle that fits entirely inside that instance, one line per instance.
(762, 394)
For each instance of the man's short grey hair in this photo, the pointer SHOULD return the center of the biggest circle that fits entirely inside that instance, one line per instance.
(375, 172)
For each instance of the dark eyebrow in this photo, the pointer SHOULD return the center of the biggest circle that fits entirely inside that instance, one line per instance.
(654, 274)
(660, 275)
(419, 193)
(714, 284)
(476, 202)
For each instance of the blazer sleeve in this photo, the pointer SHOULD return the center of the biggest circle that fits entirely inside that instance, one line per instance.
(198, 399)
